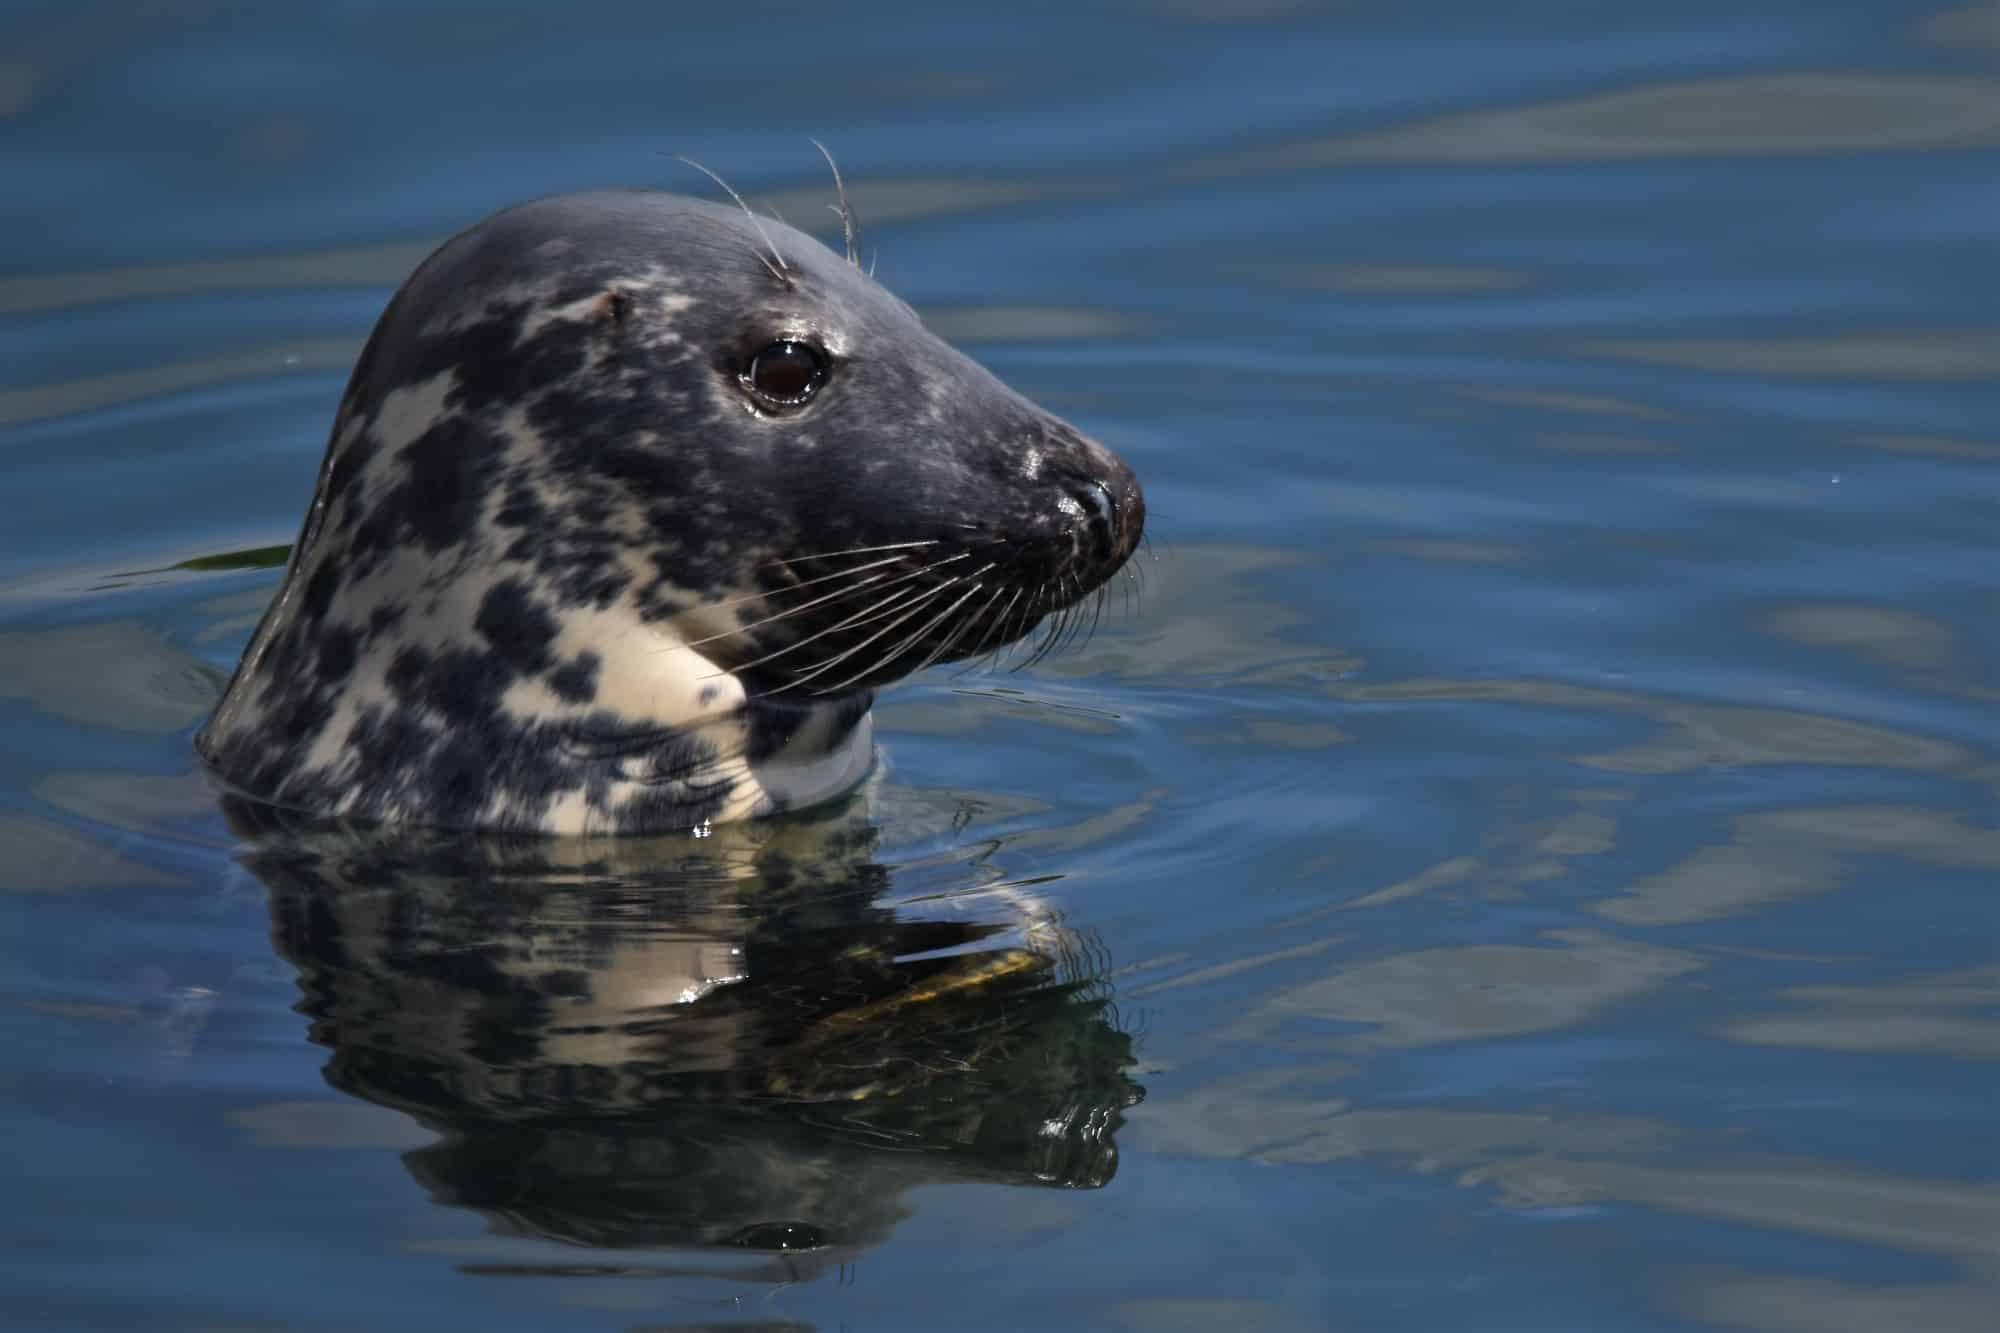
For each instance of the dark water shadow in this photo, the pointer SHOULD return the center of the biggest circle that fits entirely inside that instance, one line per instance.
(747, 1045)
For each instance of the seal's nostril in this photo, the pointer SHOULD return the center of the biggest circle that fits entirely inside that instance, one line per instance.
(1099, 510)
(1098, 502)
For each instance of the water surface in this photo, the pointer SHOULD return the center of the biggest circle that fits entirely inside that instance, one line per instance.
(1525, 861)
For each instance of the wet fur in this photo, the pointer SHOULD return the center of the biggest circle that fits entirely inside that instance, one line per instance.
(561, 574)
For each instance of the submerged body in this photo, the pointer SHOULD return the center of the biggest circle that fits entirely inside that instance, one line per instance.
(630, 504)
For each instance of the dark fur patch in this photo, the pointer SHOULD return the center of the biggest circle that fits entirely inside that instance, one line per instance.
(384, 619)
(518, 626)
(576, 682)
(449, 469)
(338, 649)
(320, 590)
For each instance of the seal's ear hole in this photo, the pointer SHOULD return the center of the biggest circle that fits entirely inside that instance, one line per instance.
(785, 373)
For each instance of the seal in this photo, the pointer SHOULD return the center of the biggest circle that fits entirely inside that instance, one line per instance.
(631, 503)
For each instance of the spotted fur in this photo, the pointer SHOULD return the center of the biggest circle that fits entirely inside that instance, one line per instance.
(563, 572)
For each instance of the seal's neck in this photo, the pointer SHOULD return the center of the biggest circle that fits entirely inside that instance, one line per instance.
(484, 698)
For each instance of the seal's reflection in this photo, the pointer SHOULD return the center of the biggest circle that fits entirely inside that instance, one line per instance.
(758, 1039)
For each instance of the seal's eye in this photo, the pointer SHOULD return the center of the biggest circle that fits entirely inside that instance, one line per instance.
(786, 373)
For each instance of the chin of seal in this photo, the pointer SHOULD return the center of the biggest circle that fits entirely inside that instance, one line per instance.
(631, 503)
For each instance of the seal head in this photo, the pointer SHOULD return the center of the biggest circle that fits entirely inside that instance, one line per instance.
(631, 503)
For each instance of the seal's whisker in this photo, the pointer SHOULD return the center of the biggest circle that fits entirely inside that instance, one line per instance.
(1079, 620)
(852, 550)
(892, 576)
(781, 271)
(838, 658)
(1029, 613)
(1007, 640)
(1028, 623)
(876, 614)
(875, 611)
(979, 620)
(1058, 627)
(999, 623)
(847, 228)
(985, 628)
(1065, 621)
(1076, 623)
(793, 587)
(895, 601)
(736, 242)
(1089, 630)
(1080, 626)
(947, 642)
(915, 637)
(995, 632)
(1040, 647)
(791, 611)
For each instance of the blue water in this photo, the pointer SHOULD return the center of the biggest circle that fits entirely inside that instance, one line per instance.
(1525, 861)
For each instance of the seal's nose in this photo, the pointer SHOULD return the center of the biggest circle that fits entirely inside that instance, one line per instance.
(1100, 517)
(1128, 504)
(1109, 510)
